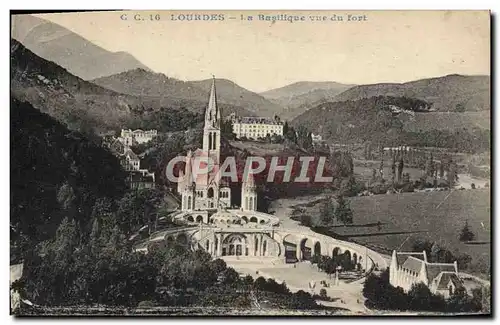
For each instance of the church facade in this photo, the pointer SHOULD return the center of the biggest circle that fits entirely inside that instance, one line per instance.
(206, 193)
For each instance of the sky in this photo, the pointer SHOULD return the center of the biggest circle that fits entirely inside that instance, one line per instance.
(382, 46)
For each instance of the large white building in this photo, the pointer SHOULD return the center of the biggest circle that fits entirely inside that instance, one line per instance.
(133, 137)
(409, 268)
(256, 127)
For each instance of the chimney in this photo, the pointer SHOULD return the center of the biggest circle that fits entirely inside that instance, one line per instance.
(425, 256)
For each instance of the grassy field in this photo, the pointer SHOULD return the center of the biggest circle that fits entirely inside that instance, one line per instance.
(436, 216)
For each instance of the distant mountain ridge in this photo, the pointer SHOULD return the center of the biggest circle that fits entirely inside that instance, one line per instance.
(300, 88)
(139, 82)
(71, 51)
(473, 92)
(297, 97)
(231, 93)
(90, 108)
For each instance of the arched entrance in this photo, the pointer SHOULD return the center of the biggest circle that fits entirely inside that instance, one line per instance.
(199, 218)
(347, 253)
(235, 245)
(335, 252)
(305, 251)
(347, 260)
(170, 240)
(355, 258)
(317, 249)
(253, 219)
(262, 221)
(244, 218)
(190, 219)
(291, 245)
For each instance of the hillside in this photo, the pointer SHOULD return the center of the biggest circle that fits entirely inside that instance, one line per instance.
(230, 93)
(78, 55)
(70, 99)
(54, 174)
(370, 119)
(298, 97)
(90, 108)
(473, 92)
(167, 92)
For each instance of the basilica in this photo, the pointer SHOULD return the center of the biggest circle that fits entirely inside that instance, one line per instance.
(212, 223)
(205, 194)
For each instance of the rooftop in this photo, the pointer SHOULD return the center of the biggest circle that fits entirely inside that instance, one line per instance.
(258, 120)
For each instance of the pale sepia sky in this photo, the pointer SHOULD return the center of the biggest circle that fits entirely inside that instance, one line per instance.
(391, 46)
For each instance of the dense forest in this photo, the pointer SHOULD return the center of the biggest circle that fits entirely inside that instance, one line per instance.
(55, 173)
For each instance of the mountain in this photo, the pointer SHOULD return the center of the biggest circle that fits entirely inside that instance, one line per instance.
(70, 99)
(168, 92)
(298, 97)
(302, 88)
(449, 93)
(230, 93)
(90, 108)
(79, 56)
(385, 120)
(140, 82)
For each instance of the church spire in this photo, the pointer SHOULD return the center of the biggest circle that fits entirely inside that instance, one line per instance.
(212, 114)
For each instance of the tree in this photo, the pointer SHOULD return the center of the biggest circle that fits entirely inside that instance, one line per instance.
(304, 138)
(327, 212)
(393, 170)
(343, 211)
(227, 129)
(66, 240)
(400, 169)
(466, 233)
(441, 170)
(460, 107)
(381, 169)
(430, 167)
(435, 250)
(95, 240)
(374, 175)
(452, 176)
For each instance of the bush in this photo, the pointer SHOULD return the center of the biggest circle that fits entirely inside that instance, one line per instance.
(322, 294)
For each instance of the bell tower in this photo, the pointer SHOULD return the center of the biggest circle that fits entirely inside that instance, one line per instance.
(211, 131)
